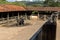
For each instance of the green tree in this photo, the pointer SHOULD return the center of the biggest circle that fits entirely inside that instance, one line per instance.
(50, 3)
(2, 0)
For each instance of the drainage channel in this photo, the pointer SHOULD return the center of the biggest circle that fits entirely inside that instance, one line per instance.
(46, 32)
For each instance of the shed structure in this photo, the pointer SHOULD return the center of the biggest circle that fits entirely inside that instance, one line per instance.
(8, 10)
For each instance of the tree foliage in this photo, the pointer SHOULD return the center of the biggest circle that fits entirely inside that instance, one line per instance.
(14, 3)
(51, 3)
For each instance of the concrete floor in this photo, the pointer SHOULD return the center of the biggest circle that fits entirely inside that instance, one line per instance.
(20, 32)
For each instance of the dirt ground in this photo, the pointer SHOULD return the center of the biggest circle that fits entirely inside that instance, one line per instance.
(8, 33)
(58, 30)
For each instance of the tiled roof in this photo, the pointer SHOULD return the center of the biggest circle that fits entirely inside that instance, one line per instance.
(9, 7)
(43, 8)
(2, 9)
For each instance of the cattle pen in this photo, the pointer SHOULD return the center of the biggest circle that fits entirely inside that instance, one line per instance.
(39, 18)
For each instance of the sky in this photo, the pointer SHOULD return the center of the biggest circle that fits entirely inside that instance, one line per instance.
(11, 0)
(18, 0)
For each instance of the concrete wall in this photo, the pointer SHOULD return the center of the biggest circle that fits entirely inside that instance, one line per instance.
(47, 32)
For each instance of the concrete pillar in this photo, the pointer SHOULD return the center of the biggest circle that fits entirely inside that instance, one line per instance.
(26, 16)
(2, 16)
(57, 15)
(18, 19)
(8, 18)
(3, 19)
(44, 17)
(38, 16)
(51, 18)
(18, 15)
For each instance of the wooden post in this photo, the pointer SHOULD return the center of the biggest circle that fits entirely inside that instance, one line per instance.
(8, 18)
